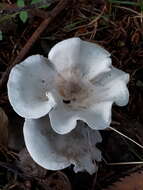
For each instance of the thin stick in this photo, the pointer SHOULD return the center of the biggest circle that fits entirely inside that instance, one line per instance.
(121, 163)
(126, 137)
(126, 8)
(124, 163)
(12, 9)
(61, 5)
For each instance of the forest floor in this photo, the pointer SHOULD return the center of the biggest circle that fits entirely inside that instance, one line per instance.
(117, 25)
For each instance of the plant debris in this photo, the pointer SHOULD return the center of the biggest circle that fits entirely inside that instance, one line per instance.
(131, 182)
(118, 27)
(3, 128)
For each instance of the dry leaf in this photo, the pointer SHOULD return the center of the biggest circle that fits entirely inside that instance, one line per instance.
(132, 182)
(136, 37)
(3, 128)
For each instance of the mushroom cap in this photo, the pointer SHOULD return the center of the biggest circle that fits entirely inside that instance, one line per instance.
(54, 152)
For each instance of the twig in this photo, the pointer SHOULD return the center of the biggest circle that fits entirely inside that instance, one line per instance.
(141, 146)
(125, 163)
(50, 16)
(34, 10)
(12, 9)
(39, 31)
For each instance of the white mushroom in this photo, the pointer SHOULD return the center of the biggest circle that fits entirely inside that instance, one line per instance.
(54, 152)
(76, 82)
(27, 84)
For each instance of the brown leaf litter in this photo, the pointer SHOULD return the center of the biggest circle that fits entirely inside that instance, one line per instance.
(131, 182)
(3, 127)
